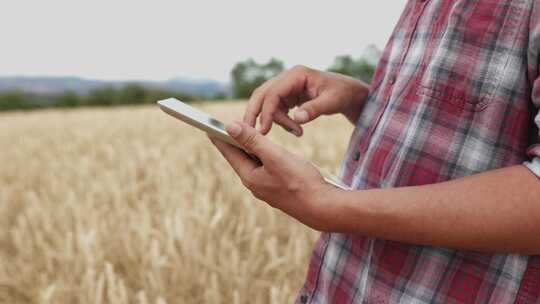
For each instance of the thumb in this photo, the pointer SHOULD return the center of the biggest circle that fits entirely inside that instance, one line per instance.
(252, 140)
(310, 110)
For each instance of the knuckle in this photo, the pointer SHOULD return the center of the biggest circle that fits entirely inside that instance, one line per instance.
(256, 98)
(302, 70)
(269, 102)
(294, 187)
(257, 92)
(250, 140)
(299, 68)
(247, 182)
(312, 109)
(268, 115)
(257, 194)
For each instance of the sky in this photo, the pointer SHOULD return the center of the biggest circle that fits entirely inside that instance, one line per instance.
(158, 39)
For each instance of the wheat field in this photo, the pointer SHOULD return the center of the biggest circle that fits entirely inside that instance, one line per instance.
(128, 205)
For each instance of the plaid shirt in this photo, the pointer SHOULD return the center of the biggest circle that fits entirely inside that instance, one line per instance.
(455, 93)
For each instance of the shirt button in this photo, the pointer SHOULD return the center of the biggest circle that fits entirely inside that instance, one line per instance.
(393, 79)
(356, 156)
(303, 299)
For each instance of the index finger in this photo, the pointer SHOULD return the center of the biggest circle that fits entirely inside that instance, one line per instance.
(253, 109)
(255, 103)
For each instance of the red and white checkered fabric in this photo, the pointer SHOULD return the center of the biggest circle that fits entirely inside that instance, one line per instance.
(456, 93)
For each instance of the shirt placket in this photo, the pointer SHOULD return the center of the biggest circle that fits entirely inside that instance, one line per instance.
(307, 294)
(392, 78)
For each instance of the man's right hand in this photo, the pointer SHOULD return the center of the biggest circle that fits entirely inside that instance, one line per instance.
(314, 92)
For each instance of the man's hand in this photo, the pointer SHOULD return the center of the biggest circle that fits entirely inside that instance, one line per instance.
(314, 92)
(283, 180)
(495, 211)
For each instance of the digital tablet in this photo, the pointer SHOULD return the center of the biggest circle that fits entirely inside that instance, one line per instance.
(216, 128)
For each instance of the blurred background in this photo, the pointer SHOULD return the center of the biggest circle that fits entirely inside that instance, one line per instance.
(103, 199)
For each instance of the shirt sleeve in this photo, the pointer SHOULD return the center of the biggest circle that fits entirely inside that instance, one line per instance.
(534, 65)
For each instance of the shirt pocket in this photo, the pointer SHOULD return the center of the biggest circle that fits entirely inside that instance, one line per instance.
(472, 52)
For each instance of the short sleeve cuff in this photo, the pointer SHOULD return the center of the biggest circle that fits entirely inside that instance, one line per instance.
(534, 165)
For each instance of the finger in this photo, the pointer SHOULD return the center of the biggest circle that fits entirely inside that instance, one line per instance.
(310, 110)
(255, 142)
(241, 163)
(253, 108)
(287, 123)
(269, 107)
(255, 103)
(283, 93)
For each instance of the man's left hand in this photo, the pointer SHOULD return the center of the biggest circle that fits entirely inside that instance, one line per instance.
(281, 179)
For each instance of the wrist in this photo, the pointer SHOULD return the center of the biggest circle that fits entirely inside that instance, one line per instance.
(331, 209)
(351, 211)
(359, 92)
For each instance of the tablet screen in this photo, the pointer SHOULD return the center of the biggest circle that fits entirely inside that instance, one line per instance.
(196, 118)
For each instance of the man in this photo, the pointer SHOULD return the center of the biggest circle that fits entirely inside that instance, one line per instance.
(444, 161)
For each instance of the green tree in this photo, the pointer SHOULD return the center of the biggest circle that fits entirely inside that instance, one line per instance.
(219, 96)
(129, 94)
(67, 99)
(358, 68)
(248, 75)
(132, 93)
(154, 95)
(12, 100)
(102, 96)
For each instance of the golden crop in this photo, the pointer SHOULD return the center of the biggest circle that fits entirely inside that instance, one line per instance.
(128, 205)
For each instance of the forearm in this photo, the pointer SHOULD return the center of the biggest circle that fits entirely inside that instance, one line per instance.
(497, 211)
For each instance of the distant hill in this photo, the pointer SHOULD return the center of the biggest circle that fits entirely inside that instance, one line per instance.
(56, 85)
